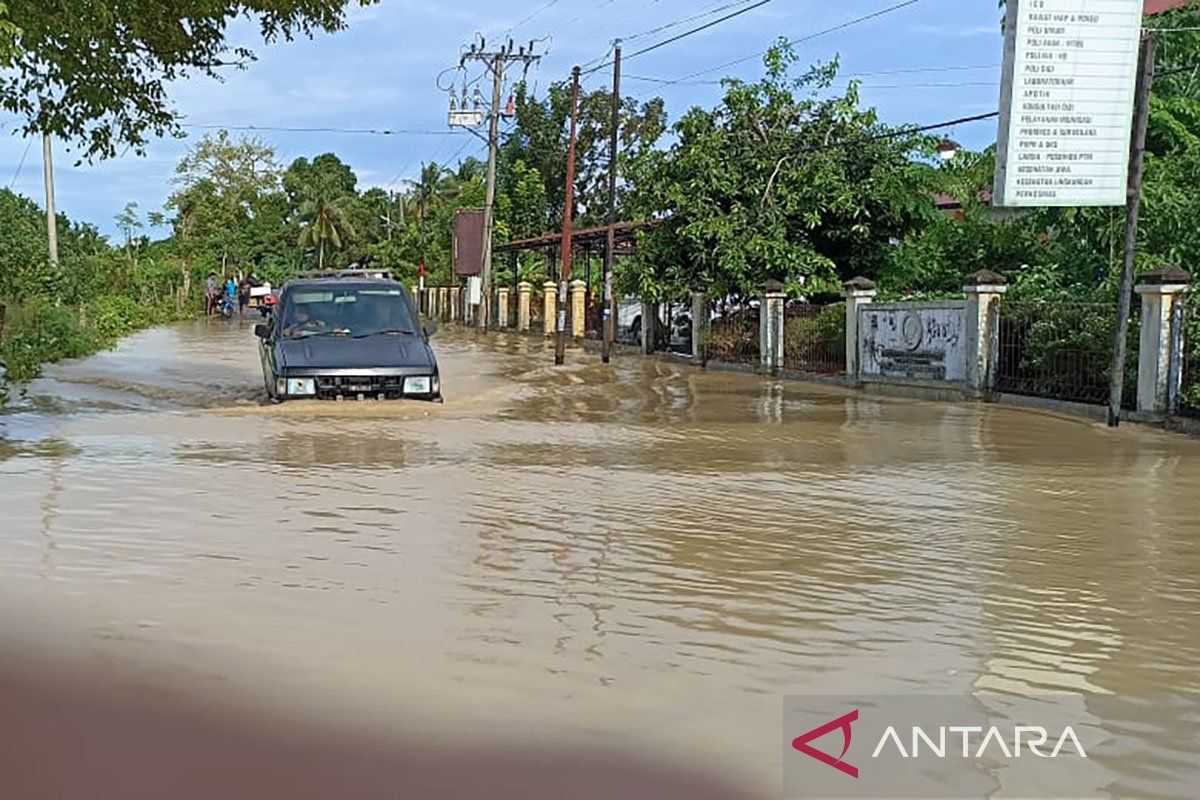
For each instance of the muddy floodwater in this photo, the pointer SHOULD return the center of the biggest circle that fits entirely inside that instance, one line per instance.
(642, 553)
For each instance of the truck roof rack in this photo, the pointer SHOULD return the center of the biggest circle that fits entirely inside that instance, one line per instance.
(380, 274)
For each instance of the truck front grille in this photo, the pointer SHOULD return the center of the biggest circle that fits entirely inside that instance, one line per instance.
(391, 387)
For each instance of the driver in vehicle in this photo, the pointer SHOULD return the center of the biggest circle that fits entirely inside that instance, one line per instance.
(302, 323)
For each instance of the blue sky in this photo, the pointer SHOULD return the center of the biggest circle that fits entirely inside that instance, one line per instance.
(380, 73)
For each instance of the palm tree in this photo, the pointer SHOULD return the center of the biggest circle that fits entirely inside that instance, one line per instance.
(322, 222)
(435, 186)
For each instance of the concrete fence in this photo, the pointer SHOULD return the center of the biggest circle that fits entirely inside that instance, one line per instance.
(951, 347)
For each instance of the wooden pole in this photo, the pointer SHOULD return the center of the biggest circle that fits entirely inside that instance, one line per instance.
(1133, 202)
(608, 319)
(560, 345)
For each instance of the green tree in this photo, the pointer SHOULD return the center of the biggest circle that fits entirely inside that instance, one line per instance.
(778, 183)
(96, 71)
(325, 223)
(222, 183)
(325, 176)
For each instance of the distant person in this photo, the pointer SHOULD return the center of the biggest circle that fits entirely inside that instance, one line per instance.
(244, 296)
(210, 294)
(231, 290)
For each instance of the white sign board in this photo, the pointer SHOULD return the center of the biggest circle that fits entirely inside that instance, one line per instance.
(926, 341)
(1070, 71)
(466, 119)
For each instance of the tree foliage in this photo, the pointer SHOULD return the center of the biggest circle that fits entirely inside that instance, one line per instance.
(95, 71)
(778, 182)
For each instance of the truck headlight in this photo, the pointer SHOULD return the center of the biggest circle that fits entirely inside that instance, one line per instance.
(421, 385)
(301, 387)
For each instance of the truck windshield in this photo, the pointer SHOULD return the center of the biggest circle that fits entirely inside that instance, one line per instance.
(346, 311)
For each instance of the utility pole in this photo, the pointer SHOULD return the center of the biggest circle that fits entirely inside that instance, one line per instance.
(609, 332)
(51, 213)
(560, 345)
(496, 62)
(1133, 201)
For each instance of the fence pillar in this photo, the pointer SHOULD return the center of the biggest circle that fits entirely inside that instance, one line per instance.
(455, 296)
(984, 290)
(502, 306)
(524, 290)
(1161, 290)
(770, 326)
(578, 309)
(444, 302)
(549, 308)
(649, 327)
(416, 296)
(700, 320)
(858, 293)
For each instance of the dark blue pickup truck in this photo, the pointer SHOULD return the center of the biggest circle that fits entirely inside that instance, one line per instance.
(347, 337)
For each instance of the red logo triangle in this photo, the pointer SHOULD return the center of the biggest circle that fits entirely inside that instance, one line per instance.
(801, 743)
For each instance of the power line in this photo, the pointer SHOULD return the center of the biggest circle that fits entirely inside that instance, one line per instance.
(536, 12)
(907, 130)
(802, 39)
(641, 10)
(1176, 70)
(685, 20)
(865, 85)
(21, 163)
(284, 129)
(923, 70)
(691, 32)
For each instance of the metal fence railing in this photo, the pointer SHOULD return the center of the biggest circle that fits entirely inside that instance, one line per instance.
(1188, 404)
(536, 312)
(629, 321)
(1063, 351)
(814, 338)
(733, 336)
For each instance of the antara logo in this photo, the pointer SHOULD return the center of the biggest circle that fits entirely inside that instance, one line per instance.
(936, 743)
(801, 743)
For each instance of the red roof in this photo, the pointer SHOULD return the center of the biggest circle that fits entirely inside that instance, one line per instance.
(1159, 6)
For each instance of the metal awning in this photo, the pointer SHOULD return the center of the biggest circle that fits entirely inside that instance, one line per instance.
(624, 237)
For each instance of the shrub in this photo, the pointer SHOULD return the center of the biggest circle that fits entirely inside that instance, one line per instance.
(39, 332)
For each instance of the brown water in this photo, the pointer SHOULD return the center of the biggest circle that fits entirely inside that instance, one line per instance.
(642, 553)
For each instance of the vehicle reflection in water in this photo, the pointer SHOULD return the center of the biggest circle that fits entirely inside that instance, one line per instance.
(641, 552)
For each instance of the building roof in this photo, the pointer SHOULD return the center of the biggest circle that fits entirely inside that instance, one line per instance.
(1159, 6)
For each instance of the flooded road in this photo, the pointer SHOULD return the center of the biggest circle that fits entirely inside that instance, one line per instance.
(640, 553)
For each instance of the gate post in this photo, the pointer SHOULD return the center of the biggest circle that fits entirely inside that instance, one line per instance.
(770, 326)
(524, 289)
(1161, 290)
(550, 308)
(699, 325)
(502, 307)
(858, 293)
(984, 290)
(578, 309)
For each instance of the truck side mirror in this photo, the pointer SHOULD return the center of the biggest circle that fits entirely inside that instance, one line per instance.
(262, 330)
(430, 327)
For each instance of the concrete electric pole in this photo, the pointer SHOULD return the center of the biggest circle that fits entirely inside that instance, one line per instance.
(51, 213)
(495, 61)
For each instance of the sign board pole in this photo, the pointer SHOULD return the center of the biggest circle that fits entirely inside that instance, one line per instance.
(1006, 106)
(1133, 203)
